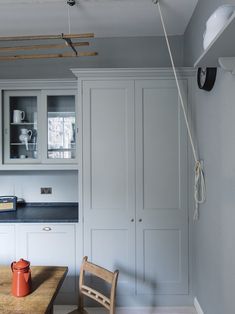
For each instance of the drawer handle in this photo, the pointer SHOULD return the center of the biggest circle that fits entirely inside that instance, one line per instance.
(47, 229)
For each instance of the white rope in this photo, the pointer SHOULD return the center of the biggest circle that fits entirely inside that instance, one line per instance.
(199, 181)
(199, 188)
(69, 19)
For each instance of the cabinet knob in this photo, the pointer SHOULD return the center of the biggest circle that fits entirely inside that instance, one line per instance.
(132, 220)
(47, 229)
(140, 220)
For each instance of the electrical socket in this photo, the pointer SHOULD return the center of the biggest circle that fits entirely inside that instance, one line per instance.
(46, 190)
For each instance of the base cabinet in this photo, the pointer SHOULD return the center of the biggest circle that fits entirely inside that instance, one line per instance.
(133, 183)
(48, 245)
(7, 244)
(44, 245)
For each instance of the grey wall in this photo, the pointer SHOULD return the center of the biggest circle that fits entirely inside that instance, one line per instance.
(214, 233)
(26, 185)
(113, 52)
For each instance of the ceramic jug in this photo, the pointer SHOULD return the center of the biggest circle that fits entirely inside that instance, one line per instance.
(25, 136)
(21, 278)
(18, 116)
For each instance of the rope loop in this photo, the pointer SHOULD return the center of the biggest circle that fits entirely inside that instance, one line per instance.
(199, 188)
(199, 179)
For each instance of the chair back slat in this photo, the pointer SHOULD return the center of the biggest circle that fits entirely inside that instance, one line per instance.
(84, 290)
(97, 296)
(99, 272)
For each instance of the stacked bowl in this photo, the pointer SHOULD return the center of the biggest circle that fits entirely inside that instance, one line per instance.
(216, 22)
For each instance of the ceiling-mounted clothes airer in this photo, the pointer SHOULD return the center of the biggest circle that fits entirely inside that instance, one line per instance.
(66, 43)
(199, 178)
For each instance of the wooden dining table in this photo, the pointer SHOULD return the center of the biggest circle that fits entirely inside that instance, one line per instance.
(46, 282)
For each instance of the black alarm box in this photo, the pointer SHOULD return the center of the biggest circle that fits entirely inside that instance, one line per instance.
(7, 203)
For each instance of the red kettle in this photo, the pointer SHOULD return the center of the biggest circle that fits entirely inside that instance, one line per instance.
(21, 278)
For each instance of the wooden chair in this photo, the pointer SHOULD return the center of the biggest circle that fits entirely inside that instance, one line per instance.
(86, 291)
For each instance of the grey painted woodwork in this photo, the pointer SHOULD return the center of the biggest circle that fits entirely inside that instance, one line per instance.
(108, 176)
(134, 176)
(60, 250)
(40, 106)
(7, 244)
(161, 189)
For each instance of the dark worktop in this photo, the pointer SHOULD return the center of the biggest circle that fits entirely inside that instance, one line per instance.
(42, 212)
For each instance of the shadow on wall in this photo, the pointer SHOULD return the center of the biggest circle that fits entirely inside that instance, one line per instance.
(146, 283)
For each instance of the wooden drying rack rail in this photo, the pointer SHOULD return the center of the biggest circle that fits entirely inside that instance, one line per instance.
(67, 43)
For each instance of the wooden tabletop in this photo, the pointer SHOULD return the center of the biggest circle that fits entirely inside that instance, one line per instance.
(46, 282)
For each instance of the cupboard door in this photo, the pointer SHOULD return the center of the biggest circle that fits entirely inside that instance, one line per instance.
(161, 189)
(21, 132)
(51, 245)
(60, 126)
(7, 244)
(108, 177)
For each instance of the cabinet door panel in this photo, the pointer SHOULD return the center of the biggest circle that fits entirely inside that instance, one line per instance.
(161, 188)
(50, 245)
(108, 174)
(7, 244)
(59, 126)
(160, 148)
(110, 248)
(107, 144)
(22, 134)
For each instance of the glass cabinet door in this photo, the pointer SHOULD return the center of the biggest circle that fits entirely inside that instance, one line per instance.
(61, 127)
(21, 127)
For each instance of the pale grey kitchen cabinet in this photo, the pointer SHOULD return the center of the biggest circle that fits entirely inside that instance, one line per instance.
(7, 244)
(22, 137)
(40, 127)
(133, 180)
(60, 125)
(108, 177)
(52, 245)
(161, 197)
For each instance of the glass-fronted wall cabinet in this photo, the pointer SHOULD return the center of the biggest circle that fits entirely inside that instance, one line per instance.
(61, 126)
(21, 133)
(40, 127)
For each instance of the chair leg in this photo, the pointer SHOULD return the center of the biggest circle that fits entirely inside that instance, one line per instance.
(50, 310)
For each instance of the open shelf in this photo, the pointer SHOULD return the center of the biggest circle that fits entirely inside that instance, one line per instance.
(23, 144)
(23, 123)
(222, 46)
(61, 149)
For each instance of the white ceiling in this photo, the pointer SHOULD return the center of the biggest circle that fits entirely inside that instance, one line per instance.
(106, 18)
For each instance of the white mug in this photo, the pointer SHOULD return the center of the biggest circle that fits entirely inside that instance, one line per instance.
(18, 116)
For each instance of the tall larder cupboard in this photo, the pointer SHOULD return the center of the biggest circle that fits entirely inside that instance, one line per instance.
(133, 180)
